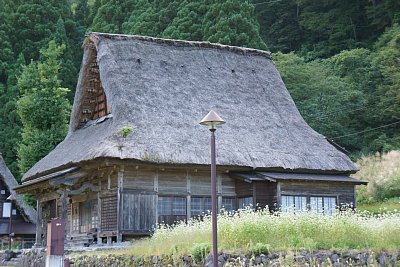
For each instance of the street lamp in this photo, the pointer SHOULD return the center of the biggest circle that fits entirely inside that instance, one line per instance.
(212, 119)
(11, 198)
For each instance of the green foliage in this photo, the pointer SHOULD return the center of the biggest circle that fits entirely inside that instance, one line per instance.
(43, 107)
(200, 251)
(111, 14)
(320, 95)
(232, 22)
(125, 131)
(187, 25)
(260, 248)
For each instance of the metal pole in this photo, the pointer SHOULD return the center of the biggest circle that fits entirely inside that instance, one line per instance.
(214, 202)
(9, 227)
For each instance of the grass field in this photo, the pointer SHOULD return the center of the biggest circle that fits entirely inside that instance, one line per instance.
(246, 229)
(388, 206)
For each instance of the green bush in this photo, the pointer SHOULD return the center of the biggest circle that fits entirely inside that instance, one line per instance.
(260, 248)
(199, 251)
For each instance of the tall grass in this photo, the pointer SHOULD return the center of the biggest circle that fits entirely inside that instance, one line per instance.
(240, 231)
(382, 171)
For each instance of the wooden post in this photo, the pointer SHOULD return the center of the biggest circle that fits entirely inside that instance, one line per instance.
(278, 194)
(99, 239)
(188, 201)
(39, 231)
(119, 203)
(64, 213)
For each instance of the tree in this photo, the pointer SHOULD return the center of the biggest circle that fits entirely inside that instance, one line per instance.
(151, 18)
(42, 93)
(232, 22)
(111, 15)
(326, 101)
(280, 24)
(82, 14)
(68, 71)
(187, 25)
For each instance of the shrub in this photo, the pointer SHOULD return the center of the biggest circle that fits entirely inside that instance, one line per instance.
(260, 248)
(199, 251)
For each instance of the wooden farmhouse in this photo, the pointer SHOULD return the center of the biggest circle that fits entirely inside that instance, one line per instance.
(23, 217)
(112, 187)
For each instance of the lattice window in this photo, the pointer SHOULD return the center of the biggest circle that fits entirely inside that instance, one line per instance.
(109, 214)
(228, 204)
(95, 101)
(171, 206)
(245, 202)
(293, 203)
(200, 205)
(75, 217)
(323, 205)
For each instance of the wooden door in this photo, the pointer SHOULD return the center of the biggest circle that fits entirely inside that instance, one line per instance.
(138, 212)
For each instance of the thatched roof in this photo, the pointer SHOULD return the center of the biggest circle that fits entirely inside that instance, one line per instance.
(27, 211)
(163, 88)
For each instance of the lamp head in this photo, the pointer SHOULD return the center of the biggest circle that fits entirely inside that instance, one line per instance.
(11, 197)
(212, 119)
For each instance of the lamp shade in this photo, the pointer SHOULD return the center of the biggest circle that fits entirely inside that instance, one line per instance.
(11, 198)
(212, 119)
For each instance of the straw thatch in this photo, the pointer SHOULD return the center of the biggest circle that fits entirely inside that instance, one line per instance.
(27, 211)
(162, 89)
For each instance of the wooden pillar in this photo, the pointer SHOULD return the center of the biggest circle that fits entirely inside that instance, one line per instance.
(64, 214)
(119, 203)
(99, 239)
(219, 191)
(39, 229)
(188, 200)
(155, 184)
(278, 194)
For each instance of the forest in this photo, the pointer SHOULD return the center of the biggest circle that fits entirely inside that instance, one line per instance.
(339, 59)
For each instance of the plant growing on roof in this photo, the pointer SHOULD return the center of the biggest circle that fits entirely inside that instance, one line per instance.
(125, 131)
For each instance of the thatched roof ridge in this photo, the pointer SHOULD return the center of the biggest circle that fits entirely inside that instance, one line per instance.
(95, 37)
(27, 211)
(162, 90)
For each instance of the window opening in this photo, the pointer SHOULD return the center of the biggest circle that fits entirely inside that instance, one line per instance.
(293, 203)
(228, 204)
(171, 206)
(323, 205)
(200, 206)
(245, 202)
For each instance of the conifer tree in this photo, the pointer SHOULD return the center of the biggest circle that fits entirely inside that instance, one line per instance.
(232, 22)
(111, 15)
(43, 107)
(187, 25)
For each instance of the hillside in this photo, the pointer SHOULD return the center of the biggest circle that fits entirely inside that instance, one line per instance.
(337, 58)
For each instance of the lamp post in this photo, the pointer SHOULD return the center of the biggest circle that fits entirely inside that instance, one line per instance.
(11, 198)
(212, 119)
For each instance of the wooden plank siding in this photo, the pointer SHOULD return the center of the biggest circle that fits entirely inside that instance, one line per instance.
(264, 194)
(139, 212)
(344, 192)
(139, 180)
(143, 185)
(172, 182)
(243, 188)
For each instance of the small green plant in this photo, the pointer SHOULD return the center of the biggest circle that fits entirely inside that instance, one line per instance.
(125, 131)
(260, 248)
(200, 251)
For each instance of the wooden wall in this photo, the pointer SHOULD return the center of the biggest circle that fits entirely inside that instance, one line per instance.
(141, 188)
(265, 194)
(345, 192)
